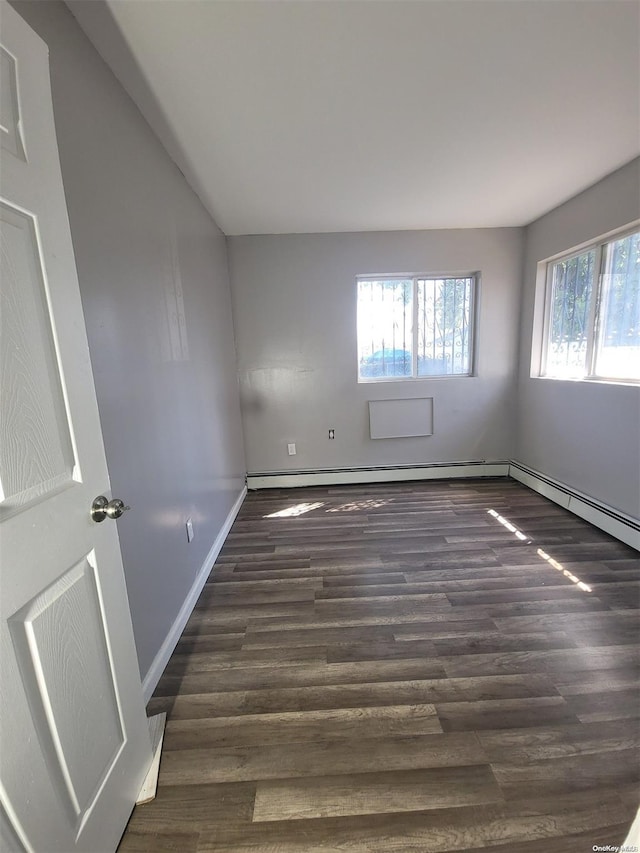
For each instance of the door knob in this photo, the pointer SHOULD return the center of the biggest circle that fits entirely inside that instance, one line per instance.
(103, 508)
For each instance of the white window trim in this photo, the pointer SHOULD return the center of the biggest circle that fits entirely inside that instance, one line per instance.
(547, 280)
(475, 276)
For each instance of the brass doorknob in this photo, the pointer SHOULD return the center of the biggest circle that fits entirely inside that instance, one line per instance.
(103, 508)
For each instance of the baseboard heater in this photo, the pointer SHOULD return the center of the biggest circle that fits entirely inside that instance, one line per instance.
(377, 474)
(618, 524)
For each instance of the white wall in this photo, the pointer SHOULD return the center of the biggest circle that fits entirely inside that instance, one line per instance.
(295, 315)
(167, 390)
(587, 435)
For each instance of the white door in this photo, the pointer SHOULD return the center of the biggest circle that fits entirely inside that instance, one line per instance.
(74, 744)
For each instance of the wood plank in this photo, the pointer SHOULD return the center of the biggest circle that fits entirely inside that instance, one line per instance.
(606, 620)
(206, 642)
(569, 773)
(596, 681)
(291, 630)
(490, 642)
(319, 758)
(192, 807)
(429, 586)
(135, 841)
(300, 675)
(543, 593)
(520, 746)
(363, 579)
(390, 605)
(380, 650)
(504, 713)
(335, 725)
(365, 695)
(196, 661)
(608, 705)
(555, 660)
(375, 793)
(221, 618)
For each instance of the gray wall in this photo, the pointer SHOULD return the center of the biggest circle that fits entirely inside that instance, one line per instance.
(295, 314)
(167, 388)
(584, 434)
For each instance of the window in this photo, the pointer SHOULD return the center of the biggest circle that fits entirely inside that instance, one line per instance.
(415, 327)
(592, 320)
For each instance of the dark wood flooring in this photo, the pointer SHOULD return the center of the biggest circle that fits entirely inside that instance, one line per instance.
(418, 667)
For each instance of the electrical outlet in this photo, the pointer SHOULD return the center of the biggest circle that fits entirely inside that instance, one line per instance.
(291, 449)
(332, 433)
(190, 533)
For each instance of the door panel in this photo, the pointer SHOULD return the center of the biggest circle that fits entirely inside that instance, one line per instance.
(74, 744)
(36, 455)
(67, 672)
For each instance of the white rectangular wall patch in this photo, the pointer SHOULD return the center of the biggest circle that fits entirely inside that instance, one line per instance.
(401, 418)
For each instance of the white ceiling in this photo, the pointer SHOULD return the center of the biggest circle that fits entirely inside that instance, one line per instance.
(359, 115)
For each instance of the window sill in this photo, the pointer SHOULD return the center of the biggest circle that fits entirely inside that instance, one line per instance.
(589, 380)
(381, 379)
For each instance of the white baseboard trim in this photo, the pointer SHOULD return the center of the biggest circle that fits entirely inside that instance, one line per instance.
(618, 524)
(156, 669)
(157, 725)
(344, 476)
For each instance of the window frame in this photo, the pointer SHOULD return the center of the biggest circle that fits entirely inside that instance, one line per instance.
(415, 278)
(599, 247)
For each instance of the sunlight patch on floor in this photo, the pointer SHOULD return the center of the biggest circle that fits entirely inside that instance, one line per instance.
(524, 538)
(296, 509)
(353, 506)
(510, 527)
(556, 565)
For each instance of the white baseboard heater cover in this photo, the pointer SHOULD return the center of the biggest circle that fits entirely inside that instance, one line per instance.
(401, 418)
(382, 474)
(612, 521)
